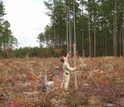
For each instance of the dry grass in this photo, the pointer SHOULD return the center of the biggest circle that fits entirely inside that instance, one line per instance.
(100, 81)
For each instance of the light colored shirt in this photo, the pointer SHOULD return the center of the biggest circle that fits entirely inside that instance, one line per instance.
(67, 68)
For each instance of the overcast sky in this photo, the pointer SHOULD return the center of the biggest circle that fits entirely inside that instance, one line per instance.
(27, 19)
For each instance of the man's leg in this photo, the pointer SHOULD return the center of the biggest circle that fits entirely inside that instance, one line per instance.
(66, 82)
(62, 84)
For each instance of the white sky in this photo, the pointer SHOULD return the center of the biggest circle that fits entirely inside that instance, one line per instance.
(27, 19)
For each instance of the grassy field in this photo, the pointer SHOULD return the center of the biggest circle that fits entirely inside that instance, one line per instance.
(100, 83)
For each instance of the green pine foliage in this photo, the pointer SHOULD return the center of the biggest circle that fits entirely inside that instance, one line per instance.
(99, 26)
(7, 40)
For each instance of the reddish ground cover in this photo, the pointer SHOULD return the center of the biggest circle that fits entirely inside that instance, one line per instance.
(100, 83)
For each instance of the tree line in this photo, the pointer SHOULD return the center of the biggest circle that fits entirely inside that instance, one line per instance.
(99, 26)
(7, 40)
(99, 30)
(9, 44)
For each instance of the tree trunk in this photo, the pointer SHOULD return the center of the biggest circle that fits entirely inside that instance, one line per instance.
(83, 52)
(94, 31)
(70, 32)
(123, 35)
(82, 42)
(54, 30)
(105, 44)
(89, 33)
(115, 30)
(120, 42)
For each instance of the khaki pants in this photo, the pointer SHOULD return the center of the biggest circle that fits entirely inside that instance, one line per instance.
(65, 82)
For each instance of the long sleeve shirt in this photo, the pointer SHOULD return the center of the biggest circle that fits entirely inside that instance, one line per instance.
(67, 68)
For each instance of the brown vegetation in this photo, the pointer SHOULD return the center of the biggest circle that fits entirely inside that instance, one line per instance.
(100, 83)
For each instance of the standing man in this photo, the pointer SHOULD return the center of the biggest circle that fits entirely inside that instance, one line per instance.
(67, 70)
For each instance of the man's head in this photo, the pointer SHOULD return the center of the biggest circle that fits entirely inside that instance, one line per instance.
(67, 58)
(63, 59)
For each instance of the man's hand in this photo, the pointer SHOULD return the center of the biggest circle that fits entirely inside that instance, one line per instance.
(69, 52)
(68, 55)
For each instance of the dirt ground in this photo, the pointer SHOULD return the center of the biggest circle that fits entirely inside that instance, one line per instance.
(100, 83)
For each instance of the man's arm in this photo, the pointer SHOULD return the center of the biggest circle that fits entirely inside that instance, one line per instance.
(70, 68)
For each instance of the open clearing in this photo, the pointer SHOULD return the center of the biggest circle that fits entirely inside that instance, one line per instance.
(100, 83)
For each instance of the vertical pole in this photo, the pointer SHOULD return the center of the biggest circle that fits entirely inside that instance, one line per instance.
(74, 45)
(67, 32)
(74, 48)
(70, 39)
(74, 22)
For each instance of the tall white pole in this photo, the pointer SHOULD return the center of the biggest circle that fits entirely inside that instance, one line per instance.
(74, 45)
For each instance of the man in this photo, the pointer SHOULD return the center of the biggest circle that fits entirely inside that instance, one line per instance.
(67, 70)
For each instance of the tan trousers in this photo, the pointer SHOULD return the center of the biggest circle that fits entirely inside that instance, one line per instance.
(65, 82)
